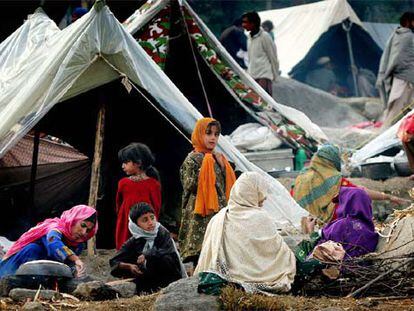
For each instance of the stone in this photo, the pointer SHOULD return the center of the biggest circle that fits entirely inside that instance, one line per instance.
(183, 295)
(22, 294)
(95, 290)
(125, 290)
(373, 110)
(33, 306)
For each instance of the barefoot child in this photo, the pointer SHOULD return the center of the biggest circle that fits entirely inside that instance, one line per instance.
(141, 185)
(149, 255)
(207, 178)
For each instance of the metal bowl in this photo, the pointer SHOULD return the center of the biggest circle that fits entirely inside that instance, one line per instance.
(45, 268)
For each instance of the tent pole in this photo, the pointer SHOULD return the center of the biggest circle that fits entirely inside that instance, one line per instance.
(33, 172)
(346, 25)
(96, 168)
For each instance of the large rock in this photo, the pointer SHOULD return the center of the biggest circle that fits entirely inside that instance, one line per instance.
(183, 295)
(125, 289)
(22, 294)
(95, 290)
(33, 306)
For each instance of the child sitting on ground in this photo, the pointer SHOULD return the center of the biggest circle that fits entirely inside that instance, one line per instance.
(150, 255)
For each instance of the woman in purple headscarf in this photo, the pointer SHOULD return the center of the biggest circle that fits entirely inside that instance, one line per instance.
(354, 227)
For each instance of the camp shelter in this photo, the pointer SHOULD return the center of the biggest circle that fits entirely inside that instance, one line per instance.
(386, 143)
(62, 178)
(304, 33)
(74, 84)
(192, 57)
(380, 32)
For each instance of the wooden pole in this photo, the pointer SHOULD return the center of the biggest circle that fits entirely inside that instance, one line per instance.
(96, 169)
(33, 173)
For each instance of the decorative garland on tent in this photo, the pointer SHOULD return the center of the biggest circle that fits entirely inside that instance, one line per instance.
(154, 37)
(293, 134)
(141, 11)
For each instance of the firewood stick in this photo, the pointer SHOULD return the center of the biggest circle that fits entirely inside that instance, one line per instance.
(119, 281)
(359, 290)
(37, 293)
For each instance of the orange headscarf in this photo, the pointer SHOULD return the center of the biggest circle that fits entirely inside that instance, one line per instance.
(207, 198)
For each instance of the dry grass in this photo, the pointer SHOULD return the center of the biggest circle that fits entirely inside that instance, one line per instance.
(235, 300)
(137, 303)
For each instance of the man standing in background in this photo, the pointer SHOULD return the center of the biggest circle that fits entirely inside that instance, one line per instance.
(396, 73)
(263, 63)
(235, 41)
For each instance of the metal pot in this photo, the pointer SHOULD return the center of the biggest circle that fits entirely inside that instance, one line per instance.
(45, 268)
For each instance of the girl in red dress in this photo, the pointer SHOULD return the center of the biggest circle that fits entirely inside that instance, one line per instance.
(141, 185)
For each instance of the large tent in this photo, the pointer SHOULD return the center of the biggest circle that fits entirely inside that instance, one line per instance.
(63, 81)
(183, 46)
(304, 33)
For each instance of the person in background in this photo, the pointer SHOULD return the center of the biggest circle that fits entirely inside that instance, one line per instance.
(406, 135)
(323, 77)
(263, 62)
(235, 41)
(58, 239)
(396, 72)
(206, 177)
(141, 185)
(150, 255)
(317, 188)
(267, 26)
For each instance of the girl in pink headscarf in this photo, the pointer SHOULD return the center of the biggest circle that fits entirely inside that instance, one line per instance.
(59, 239)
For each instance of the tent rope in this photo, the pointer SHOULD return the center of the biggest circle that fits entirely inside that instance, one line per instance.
(131, 83)
(210, 112)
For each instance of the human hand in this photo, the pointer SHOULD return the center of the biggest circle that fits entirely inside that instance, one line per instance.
(134, 270)
(80, 268)
(397, 200)
(141, 260)
(219, 158)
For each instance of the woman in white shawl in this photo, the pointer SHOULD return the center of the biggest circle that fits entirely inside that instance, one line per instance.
(242, 245)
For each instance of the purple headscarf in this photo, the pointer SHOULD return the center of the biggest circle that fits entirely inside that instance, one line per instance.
(354, 227)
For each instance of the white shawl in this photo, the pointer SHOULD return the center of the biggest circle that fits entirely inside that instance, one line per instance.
(242, 244)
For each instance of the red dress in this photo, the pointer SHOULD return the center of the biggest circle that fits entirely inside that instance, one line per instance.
(129, 193)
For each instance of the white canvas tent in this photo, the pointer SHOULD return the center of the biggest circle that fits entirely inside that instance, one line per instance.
(306, 32)
(379, 144)
(95, 50)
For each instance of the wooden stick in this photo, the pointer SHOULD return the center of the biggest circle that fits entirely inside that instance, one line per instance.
(96, 169)
(359, 290)
(119, 281)
(36, 296)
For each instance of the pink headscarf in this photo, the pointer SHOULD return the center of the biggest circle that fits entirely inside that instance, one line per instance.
(63, 224)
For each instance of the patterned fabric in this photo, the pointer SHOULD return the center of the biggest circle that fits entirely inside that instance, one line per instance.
(141, 11)
(319, 184)
(193, 226)
(154, 37)
(211, 283)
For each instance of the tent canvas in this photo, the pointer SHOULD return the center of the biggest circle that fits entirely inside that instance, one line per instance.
(183, 46)
(55, 87)
(380, 32)
(383, 142)
(301, 41)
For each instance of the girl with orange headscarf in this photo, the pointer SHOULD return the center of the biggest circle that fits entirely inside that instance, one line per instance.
(207, 178)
